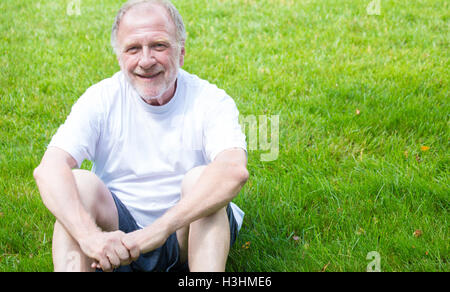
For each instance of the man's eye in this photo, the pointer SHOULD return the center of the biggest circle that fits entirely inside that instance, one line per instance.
(132, 50)
(160, 47)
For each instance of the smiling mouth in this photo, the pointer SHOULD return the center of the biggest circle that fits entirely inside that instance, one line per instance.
(148, 77)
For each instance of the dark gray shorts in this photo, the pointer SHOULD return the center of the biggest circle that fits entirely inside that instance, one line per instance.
(167, 257)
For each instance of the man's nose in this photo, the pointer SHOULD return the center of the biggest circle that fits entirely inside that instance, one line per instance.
(147, 59)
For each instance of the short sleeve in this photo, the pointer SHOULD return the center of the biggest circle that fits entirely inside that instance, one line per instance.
(81, 130)
(222, 130)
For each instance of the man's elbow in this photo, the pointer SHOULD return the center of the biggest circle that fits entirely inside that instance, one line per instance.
(240, 174)
(37, 172)
(244, 175)
(40, 174)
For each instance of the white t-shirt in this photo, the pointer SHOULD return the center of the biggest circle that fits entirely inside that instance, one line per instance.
(142, 152)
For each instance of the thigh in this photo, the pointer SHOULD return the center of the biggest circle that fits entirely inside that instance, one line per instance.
(188, 183)
(97, 199)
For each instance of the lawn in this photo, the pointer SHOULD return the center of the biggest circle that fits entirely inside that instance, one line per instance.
(362, 101)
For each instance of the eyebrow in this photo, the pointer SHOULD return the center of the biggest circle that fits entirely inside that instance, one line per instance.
(132, 43)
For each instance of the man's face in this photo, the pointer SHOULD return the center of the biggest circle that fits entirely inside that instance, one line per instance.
(148, 52)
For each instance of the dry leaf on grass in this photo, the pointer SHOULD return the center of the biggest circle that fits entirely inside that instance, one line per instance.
(325, 267)
(417, 233)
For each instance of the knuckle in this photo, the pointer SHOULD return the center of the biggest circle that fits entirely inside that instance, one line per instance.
(99, 254)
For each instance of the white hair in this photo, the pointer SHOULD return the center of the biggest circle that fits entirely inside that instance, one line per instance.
(171, 9)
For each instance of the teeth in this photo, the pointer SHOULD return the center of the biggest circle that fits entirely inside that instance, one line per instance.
(149, 76)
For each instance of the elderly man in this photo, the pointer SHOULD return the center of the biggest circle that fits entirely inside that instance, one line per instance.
(168, 157)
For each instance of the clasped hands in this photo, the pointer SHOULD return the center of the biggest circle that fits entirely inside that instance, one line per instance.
(110, 250)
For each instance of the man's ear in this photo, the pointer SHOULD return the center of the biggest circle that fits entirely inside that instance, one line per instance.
(119, 59)
(182, 55)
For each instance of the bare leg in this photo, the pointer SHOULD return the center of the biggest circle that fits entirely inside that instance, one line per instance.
(96, 198)
(206, 242)
(209, 243)
(67, 255)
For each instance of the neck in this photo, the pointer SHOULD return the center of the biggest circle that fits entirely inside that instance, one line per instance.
(165, 98)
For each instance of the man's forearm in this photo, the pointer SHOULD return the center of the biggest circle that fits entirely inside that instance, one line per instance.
(61, 197)
(219, 183)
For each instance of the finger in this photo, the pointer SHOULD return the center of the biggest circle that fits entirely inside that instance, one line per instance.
(119, 249)
(123, 254)
(105, 265)
(135, 252)
(113, 259)
(95, 265)
(132, 247)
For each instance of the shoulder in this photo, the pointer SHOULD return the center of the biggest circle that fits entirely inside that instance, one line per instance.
(103, 93)
(107, 87)
(203, 92)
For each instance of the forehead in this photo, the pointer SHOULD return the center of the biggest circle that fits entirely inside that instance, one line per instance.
(146, 20)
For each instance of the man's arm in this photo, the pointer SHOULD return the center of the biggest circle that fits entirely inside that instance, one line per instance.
(219, 183)
(59, 193)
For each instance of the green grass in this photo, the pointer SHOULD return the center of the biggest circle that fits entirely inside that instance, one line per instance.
(343, 184)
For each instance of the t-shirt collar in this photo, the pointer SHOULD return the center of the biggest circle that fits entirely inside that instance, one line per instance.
(161, 109)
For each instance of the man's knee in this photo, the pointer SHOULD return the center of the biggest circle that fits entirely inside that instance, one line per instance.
(96, 198)
(191, 178)
(89, 187)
